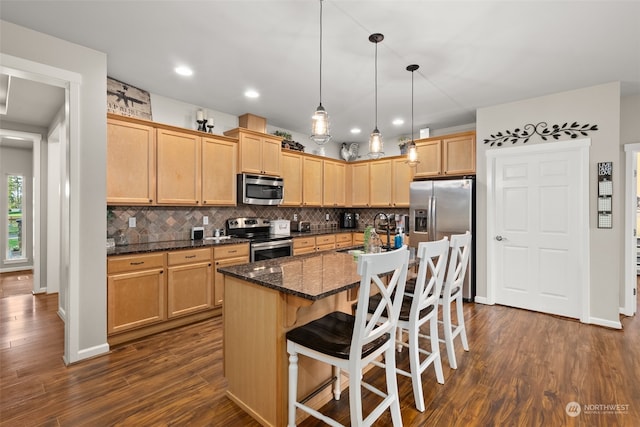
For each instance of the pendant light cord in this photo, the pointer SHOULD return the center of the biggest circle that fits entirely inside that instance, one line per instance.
(321, 52)
(411, 106)
(376, 87)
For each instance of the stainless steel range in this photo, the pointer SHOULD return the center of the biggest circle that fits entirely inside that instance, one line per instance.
(264, 245)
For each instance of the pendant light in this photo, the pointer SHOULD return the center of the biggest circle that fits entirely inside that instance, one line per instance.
(375, 140)
(412, 151)
(320, 124)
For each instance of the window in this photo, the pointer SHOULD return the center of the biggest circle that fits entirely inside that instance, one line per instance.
(15, 232)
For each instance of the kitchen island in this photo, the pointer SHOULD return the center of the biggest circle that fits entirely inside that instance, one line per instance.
(264, 300)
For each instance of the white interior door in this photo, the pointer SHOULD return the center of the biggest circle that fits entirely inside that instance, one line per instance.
(538, 226)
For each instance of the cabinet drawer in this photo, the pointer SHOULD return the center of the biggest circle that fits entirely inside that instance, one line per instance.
(304, 242)
(188, 256)
(126, 263)
(343, 238)
(231, 251)
(323, 240)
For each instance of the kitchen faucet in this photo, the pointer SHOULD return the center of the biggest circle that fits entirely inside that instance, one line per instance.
(388, 246)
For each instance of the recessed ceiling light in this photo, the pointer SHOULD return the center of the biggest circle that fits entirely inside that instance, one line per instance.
(398, 122)
(355, 130)
(184, 71)
(251, 94)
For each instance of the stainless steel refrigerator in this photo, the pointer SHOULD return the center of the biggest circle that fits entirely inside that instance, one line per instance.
(442, 207)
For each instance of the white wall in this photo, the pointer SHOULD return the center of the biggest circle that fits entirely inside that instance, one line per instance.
(17, 161)
(87, 185)
(597, 105)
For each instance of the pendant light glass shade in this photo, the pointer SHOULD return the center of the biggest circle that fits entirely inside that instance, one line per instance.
(320, 123)
(376, 145)
(320, 126)
(412, 151)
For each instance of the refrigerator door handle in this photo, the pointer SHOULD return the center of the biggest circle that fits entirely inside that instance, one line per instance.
(432, 219)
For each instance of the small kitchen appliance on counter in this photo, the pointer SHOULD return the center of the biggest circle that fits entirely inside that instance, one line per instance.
(348, 220)
(280, 227)
(301, 226)
(197, 233)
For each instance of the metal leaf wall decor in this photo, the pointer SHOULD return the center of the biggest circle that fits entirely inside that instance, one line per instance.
(572, 130)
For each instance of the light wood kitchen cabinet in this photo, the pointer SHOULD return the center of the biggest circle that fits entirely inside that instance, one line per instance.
(304, 245)
(179, 172)
(219, 170)
(131, 163)
(224, 256)
(358, 239)
(343, 240)
(136, 292)
(311, 181)
(334, 188)
(259, 153)
(380, 183)
(360, 184)
(447, 155)
(325, 242)
(189, 281)
(292, 176)
(402, 175)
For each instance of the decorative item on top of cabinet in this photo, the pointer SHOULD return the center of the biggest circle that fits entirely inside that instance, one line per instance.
(447, 155)
(259, 153)
(135, 292)
(224, 256)
(131, 162)
(189, 281)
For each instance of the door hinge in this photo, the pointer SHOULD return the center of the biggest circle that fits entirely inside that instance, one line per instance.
(634, 292)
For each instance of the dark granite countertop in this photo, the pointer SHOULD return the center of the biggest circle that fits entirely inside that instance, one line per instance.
(313, 276)
(141, 248)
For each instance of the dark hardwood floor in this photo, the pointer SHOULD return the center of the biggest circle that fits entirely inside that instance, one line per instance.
(16, 283)
(523, 369)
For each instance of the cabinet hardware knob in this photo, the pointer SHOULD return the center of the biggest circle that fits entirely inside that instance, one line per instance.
(499, 238)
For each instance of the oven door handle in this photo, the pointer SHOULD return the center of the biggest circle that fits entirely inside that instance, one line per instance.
(272, 245)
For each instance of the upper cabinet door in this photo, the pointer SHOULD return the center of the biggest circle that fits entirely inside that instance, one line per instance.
(271, 155)
(178, 168)
(292, 176)
(459, 155)
(402, 177)
(381, 181)
(430, 157)
(360, 184)
(131, 163)
(311, 181)
(334, 189)
(219, 169)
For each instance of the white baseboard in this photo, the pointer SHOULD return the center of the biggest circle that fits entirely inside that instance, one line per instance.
(91, 352)
(18, 268)
(606, 323)
(482, 300)
(62, 314)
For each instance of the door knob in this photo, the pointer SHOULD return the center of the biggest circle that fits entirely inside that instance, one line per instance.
(499, 238)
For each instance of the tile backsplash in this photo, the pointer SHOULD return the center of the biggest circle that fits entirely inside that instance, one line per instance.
(159, 223)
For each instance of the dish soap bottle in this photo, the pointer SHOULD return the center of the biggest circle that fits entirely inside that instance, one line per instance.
(398, 239)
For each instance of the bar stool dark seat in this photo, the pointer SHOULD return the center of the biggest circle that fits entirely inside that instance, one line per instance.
(350, 343)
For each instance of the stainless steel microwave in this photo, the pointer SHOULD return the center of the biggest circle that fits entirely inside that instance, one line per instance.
(260, 189)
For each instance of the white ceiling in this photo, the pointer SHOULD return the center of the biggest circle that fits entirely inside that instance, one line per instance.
(471, 54)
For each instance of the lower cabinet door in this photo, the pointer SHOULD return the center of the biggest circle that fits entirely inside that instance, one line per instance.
(189, 288)
(218, 289)
(135, 299)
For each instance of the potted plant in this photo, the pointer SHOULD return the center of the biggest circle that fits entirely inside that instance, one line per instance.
(402, 143)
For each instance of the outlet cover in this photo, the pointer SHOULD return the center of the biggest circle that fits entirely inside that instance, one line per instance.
(205, 220)
(132, 222)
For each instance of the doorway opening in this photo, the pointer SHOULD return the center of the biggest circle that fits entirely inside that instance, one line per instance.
(629, 297)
